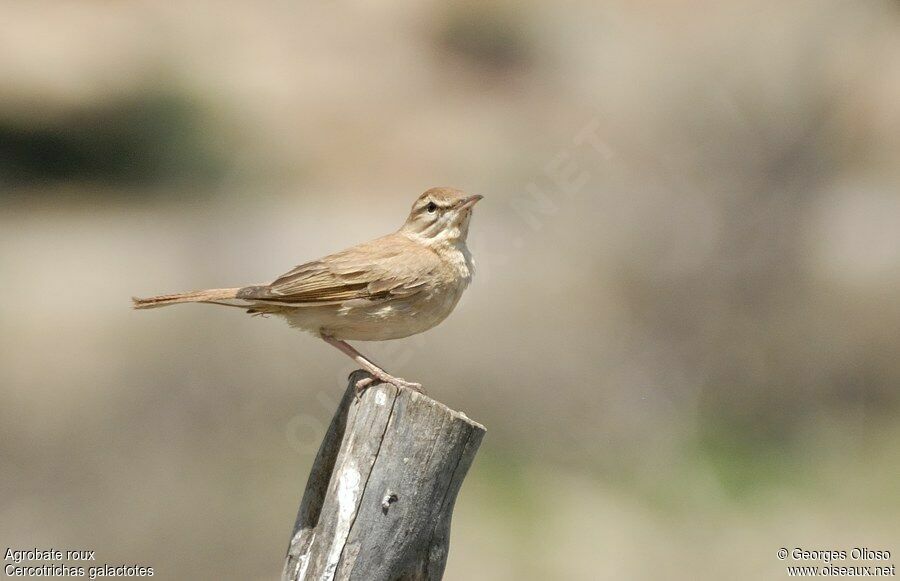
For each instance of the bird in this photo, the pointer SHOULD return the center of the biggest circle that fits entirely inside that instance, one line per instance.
(391, 287)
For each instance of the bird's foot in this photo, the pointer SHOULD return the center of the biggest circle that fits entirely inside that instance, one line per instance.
(407, 384)
(367, 382)
(362, 385)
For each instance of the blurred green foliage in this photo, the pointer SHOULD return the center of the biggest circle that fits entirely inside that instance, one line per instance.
(146, 140)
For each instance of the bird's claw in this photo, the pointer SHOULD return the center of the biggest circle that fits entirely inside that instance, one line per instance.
(411, 385)
(366, 382)
(362, 385)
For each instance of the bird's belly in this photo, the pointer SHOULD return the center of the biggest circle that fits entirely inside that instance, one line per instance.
(378, 321)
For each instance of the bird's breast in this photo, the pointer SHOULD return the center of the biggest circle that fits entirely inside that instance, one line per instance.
(458, 262)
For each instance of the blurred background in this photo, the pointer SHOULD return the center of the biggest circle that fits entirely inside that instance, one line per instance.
(682, 336)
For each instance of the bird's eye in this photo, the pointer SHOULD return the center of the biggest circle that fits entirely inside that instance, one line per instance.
(431, 207)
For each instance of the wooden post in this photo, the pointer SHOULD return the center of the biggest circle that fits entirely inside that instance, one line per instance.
(379, 498)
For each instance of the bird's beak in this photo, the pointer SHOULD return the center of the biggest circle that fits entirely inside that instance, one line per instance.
(470, 201)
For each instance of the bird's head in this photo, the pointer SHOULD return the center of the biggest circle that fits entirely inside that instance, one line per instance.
(440, 215)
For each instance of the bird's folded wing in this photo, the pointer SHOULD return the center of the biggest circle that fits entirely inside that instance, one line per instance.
(387, 268)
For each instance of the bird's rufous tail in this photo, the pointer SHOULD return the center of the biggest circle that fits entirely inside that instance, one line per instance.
(202, 296)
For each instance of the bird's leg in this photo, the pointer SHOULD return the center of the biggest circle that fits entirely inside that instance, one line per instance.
(376, 371)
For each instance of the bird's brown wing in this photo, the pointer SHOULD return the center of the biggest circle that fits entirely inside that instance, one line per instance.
(386, 268)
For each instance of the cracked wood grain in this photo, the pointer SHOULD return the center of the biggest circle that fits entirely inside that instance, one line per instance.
(380, 496)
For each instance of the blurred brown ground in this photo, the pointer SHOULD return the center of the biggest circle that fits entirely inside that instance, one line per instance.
(683, 333)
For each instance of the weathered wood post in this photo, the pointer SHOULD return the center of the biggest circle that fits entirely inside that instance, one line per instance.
(379, 498)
